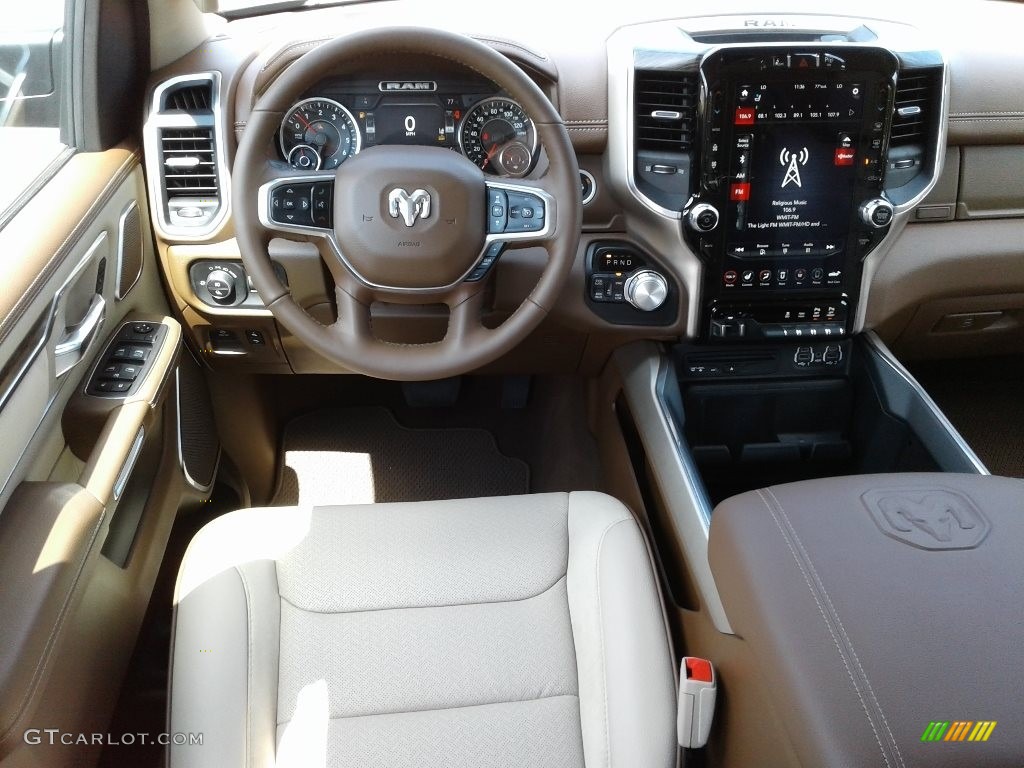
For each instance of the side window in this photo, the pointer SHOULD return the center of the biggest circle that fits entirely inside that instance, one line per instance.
(32, 83)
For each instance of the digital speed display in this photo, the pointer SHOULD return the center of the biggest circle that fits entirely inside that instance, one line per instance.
(421, 124)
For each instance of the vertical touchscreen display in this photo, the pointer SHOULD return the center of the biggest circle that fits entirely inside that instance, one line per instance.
(794, 166)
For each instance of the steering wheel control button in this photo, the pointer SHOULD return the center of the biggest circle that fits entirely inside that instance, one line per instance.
(323, 204)
(490, 257)
(497, 203)
(292, 204)
(525, 213)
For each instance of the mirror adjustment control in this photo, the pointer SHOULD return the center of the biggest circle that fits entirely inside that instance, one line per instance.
(877, 213)
(703, 217)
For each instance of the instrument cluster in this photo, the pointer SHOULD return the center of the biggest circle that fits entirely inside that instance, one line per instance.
(493, 131)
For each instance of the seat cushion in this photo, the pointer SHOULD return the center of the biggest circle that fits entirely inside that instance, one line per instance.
(514, 631)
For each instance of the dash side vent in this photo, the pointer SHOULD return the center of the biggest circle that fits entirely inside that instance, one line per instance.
(190, 98)
(183, 154)
(913, 112)
(189, 159)
(665, 109)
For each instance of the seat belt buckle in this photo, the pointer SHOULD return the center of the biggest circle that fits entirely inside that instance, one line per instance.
(698, 688)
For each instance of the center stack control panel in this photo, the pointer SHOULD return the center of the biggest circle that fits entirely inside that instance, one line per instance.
(789, 200)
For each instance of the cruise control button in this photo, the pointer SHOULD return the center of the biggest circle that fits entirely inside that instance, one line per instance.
(526, 213)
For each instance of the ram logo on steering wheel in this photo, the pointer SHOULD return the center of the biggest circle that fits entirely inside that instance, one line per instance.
(409, 206)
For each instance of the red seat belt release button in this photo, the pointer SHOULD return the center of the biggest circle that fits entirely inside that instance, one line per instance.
(698, 689)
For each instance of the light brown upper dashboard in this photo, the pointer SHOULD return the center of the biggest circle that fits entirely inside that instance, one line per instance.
(568, 56)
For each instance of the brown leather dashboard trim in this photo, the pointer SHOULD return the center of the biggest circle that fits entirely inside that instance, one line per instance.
(37, 241)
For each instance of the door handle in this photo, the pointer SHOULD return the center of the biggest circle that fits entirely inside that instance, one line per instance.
(75, 342)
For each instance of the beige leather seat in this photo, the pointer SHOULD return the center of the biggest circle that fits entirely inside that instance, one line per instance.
(521, 631)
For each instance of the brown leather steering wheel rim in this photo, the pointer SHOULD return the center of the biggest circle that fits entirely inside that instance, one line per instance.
(350, 341)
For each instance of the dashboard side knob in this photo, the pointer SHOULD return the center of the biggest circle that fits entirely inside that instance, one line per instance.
(646, 290)
(877, 213)
(703, 217)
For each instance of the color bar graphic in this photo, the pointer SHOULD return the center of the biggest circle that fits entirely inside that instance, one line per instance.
(935, 731)
(958, 730)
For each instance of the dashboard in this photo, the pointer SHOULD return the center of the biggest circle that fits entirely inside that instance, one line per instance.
(340, 118)
(749, 178)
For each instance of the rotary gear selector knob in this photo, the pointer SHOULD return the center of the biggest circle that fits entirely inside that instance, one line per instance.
(646, 290)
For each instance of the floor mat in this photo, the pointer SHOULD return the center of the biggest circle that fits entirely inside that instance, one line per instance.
(363, 455)
(983, 400)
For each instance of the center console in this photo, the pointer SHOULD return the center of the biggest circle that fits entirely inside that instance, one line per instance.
(790, 194)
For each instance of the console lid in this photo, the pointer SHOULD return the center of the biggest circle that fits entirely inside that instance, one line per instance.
(878, 605)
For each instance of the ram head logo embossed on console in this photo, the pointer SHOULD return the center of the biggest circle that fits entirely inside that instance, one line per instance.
(930, 518)
(410, 206)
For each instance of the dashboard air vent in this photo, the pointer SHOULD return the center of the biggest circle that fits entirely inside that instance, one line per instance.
(189, 158)
(666, 108)
(915, 100)
(184, 157)
(190, 98)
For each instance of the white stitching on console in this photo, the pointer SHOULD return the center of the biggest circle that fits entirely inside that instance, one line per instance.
(828, 624)
(839, 622)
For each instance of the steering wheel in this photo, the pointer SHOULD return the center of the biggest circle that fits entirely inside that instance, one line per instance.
(407, 224)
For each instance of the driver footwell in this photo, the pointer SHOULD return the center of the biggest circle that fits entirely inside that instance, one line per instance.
(363, 456)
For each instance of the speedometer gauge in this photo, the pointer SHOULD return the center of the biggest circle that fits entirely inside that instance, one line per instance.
(497, 136)
(322, 127)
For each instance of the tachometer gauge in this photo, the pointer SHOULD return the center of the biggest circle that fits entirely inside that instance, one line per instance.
(497, 135)
(323, 126)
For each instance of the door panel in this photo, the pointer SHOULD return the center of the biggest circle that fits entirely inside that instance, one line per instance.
(89, 484)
